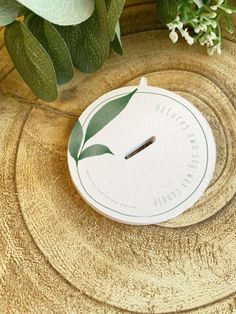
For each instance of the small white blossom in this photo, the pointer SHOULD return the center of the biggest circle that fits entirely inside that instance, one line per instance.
(214, 24)
(214, 7)
(210, 15)
(200, 28)
(190, 40)
(184, 33)
(205, 24)
(217, 5)
(198, 3)
(229, 11)
(178, 25)
(217, 48)
(173, 36)
(213, 35)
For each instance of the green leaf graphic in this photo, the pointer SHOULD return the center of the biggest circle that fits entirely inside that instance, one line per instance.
(116, 44)
(114, 8)
(61, 12)
(107, 113)
(55, 46)
(31, 60)
(95, 150)
(9, 10)
(167, 10)
(75, 140)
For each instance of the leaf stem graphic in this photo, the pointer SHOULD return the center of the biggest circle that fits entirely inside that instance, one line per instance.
(100, 119)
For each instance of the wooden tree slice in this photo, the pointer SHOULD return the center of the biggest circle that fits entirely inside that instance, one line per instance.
(59, 255)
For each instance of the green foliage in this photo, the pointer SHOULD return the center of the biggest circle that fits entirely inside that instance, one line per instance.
(114, 8)
(200, 21)
(53, 36)
(88, 42)
(167, 10)
(42, 51)
(61, 12)
(9, 10)
(100, 119)
(31, 61)
(116, 44)
(53, 43)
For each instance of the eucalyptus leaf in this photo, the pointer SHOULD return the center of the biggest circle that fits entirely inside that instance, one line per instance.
(55, 46)
(31, 60)
(116, 44)
(114, 8)
(107, 113)
(9, 10)
(94, 150)
(89, 42)
(71, 35)
(75, 141)
(167, 10)
(61, 12)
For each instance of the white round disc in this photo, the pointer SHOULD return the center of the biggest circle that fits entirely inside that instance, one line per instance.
(163, 157)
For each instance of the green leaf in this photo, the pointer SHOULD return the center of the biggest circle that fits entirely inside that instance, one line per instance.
(167, 10)
(88, 42)
(75, 140)
(31, 60)
(107, 113)
(55, 46)
(114, 8)
(61, 12)
(229, 23)
(116, 44)
(95, 150)
(9, 10)
(184, 12)
(71, 35)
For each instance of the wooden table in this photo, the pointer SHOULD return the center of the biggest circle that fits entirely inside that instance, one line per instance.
(57, 255)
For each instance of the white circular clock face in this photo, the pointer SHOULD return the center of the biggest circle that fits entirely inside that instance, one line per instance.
(146, 164)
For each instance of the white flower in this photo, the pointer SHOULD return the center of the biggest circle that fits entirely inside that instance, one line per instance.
(173, 36)
(187, 37)
(213, 35)
(178, 25)
(190, 40)
(216, 48)
(200, 27)
(229, 11)
(198, 3)
(214, 24)
(216, 6)
(210, 15)
(175, 24)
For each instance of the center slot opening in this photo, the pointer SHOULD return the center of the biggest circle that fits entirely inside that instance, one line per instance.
(141, 147)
